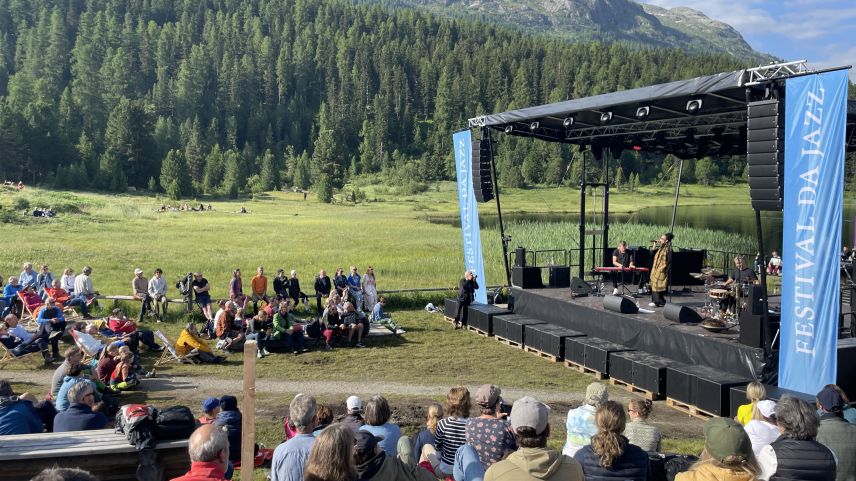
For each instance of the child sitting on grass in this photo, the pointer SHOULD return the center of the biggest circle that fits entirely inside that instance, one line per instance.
(123, 377)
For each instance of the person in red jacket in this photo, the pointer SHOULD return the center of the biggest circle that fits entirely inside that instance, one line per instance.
(209, 454)
(127, 330)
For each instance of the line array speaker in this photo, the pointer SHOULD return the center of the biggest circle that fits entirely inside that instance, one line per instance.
(766, 153)
(482, 180)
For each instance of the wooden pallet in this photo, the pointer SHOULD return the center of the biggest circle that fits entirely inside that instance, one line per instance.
(651, 396)
(450, 320)
(509, 342)
(479, 331)
(545, 355)
(585, 370)
(689, 409)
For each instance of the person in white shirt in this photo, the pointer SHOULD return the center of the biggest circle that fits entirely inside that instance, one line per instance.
(83, 285)
(16, 329)
(67, 281)
(157, 291)
(762, 429)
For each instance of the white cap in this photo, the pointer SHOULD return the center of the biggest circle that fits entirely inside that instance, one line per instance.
(354, 403)
(138, 271)
(767, 407)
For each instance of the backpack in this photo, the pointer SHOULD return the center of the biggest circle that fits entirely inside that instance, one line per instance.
(184, 284)
(176, 422)
(313, 329)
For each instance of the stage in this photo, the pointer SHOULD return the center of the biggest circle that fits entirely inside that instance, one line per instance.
(650, 332)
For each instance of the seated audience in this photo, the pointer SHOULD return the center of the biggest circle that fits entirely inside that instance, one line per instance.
(258, 329)
(227, 331)
(280, 284)
(762, 429)
(323, 418)
(287, 330)
(323, 286)
(124, 377)
(727, 454)
(754, 392)
(333, 326)
(209, 455)
(60, 295)
(451, 431)
(17, 413)
(534, 461)
(290, 457)
(73, 376)
(355, 322)
(340, 281)
(610, 455)
(490, 434)
(580, 424)
(107, 362)
(129, 332)
(796, 449)
(79, 415)
(17, 347)
(638, 431)
(332, 456)
(44, 280)
(835, 433)
(425, 437)
(73, 356)
(379, 316)
(200, 288)
(10, 298)
(64, 474)
(210, 410)
(377, 416)
(230, 418)
(352, 417)
(83, 287)
(65, 297)
(849, 412)
(294, 292)
(67, 281)
(189, 341)
(27, 278)
(372, 462)
(51, 325)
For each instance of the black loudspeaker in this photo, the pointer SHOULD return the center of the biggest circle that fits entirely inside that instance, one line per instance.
(579, 287)
(755, 301)
(620, 304)
(765, 153)
(846, 377)
(450, 308)
(515, 328)
(526, 277)
(752, 328)
(480, 316)
(482, 180)
(682, 314)
(560, 276)
(520, 257)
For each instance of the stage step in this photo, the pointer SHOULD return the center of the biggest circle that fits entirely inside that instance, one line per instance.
(585, 370)
(509, 342)
(478, 331)
(633, 389)
(691, 410)
(539, 353)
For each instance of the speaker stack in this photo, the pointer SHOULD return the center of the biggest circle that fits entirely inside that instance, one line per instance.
(482, 180)
(766, 153)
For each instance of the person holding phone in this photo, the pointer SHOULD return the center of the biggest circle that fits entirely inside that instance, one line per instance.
(466, 295)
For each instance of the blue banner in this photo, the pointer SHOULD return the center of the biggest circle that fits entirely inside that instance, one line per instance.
(815, 118)
(473, 260)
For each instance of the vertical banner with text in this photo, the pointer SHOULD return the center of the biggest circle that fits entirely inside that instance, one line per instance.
(473, 260)
(815, 119)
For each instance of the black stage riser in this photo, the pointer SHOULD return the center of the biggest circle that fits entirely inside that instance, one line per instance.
(642, 369)
(592, 352)
(549, 338)
(480, 316)
(703, 387)
(515, 328)
(450, 308)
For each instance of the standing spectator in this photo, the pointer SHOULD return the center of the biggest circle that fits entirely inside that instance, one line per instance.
(638, 431)
(452, 430)
(44, 280)
(332, 456)
(352, 417)
(534, 461)
(209, 455)
(17, 414)
(140, 289)
(762, 429)
(489, 433)
(755, 392)
(355, 287)
(727, 454)
(210, 410)
(774, 267)
(370, 288)
(340, 281)
(28, 276)
(83, 286)
(79, 415)
(67, 280)
(259, 286)
(322, 288)
(157, 292)
(377, 422)
(280, 284)
(796, 454)
(610, 455)
(835, 433)
(290, 457)
(581, 423)
(294, 291)
(466, 294)
(201, 289)
(236, 289)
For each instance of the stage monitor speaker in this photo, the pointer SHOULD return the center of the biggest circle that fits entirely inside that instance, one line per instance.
(682, 314)
(520, 257)
(579, 287)
(752, 328)
(620, 304)
(482, 180)
(526, 277)
(765, 153)
(560, 276)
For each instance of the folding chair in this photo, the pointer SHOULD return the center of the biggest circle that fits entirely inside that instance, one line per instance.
(31, 302)
(170, 354)
(9, 358)
(89, 348)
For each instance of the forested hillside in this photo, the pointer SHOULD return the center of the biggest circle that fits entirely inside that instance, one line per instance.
(217, 96)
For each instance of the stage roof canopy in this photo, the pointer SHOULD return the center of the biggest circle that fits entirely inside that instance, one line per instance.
(688, 118)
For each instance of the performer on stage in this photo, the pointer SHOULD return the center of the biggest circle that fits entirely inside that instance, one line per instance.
(741, 275)
(846, 254)
(623, 258)
(660, 269)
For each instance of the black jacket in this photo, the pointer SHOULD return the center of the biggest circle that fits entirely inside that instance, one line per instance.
(322, 286)
(631, 466)
(802, 460)
(280, 286)
(467, 290)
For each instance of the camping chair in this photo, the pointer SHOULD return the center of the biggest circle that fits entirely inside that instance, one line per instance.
(31, 302)
(9, 358)
(89, 352)
(170, 354)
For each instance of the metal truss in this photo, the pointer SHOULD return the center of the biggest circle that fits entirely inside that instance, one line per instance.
(697, 122)
(766, 73)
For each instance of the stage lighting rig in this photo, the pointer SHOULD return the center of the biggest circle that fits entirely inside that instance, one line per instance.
(642, 113)
(569, 121)
(605, 117)
(534, 126)
(693, 106)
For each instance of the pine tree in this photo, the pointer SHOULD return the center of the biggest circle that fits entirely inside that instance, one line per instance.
(324, 160)
(175, 175)
(269, 175)
(233, 177)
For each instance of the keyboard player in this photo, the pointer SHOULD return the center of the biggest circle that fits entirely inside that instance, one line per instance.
(622, 258)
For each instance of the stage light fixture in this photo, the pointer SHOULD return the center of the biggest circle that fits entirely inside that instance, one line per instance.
(509, 129)
(693, 106)
(642, 113)
(605, 117)
(569, 121)
(534, 126)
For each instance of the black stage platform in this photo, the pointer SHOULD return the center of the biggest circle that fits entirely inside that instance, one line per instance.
(651, 332)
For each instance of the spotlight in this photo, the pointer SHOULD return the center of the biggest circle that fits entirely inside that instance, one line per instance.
(693, 106)
(534, 126)
(605, 117)
(509, 129)
(643, 112)
(568, 122)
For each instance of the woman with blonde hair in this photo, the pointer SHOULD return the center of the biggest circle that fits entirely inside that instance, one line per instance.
(727, 454)
(451, 432)
(610, 455)
(425, 437)
(638, 431)
(754, 392)
(331, 457)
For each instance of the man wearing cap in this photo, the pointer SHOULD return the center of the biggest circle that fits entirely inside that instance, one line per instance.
(489, 433)
(835, 433)
(763, 431)
(140, 291)
(289, 458)
(352, 418)
(210, 410)
(727, 454)
(580, 424)
(534, 460)
(373, 463)
(209, 455)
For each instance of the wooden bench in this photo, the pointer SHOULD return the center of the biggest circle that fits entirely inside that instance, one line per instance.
(102, 452)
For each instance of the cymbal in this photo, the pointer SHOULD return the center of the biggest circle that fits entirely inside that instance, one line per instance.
(698, 275)
(710, 271)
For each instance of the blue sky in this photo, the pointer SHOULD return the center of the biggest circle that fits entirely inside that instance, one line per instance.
(822, 32)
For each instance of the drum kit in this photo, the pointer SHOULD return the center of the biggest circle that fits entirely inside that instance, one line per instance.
(717, 294)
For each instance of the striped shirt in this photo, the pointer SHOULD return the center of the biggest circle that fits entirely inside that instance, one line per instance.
(451, 434)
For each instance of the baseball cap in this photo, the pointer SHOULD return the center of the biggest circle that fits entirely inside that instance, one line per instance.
(488, 395)
(138, 271)
(529, 412)
(725, 437)
(210, 404)
(365, 442)
(596, 394)
(767, 407)
(354, 403)
(830, 399)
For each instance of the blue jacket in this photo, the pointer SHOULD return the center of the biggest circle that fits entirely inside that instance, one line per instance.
(79, 417)
(631, 466)
(232, 420)
(18, 417)
(61, 400)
